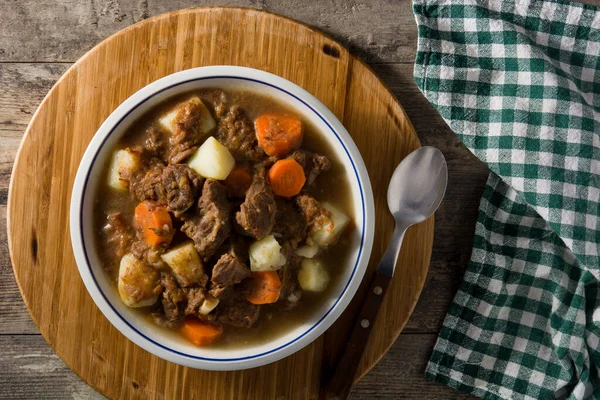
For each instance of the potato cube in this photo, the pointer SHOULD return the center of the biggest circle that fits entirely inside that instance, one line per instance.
(307, 251)
(185, 264)
(265, 255)
(138, 282)
(212, 160)
(329, 232)
(313, 276)
(207, 123)
(123, 163)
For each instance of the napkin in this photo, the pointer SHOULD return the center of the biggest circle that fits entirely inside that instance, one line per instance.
(519, 82)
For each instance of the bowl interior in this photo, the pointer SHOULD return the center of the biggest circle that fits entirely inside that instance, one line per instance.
(131, 322)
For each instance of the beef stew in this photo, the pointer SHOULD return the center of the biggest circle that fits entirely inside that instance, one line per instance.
(226, 218)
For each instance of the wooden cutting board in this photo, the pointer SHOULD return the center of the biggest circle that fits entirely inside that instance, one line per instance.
(42, 179)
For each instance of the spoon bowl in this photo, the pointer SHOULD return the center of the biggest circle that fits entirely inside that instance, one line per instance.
(415, 191)
(417, 186)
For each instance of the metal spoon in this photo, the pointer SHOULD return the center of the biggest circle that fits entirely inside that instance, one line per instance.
(416, 190)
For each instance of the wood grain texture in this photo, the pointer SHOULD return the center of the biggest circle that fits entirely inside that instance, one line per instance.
(85, 96)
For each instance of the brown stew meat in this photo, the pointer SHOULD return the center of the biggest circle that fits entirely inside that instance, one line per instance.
(225, 218)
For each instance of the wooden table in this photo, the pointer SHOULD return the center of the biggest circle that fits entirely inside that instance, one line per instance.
(40, 39)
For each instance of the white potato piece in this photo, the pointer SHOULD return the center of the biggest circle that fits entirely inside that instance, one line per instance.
(138, 282)
(208, 305)
(207, 124)
(312, 276)
(329, 233)
(265, 255)
(307, 251)
(212, 160)
(123, 162)
(185, 264)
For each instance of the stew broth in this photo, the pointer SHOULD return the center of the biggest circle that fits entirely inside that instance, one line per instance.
(332, 186)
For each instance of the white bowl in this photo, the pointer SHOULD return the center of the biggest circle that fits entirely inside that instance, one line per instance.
(139, 329)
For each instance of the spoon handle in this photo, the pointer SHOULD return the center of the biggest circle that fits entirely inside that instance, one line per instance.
(339, 385)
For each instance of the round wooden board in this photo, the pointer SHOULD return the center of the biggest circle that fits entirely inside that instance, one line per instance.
(42, 179)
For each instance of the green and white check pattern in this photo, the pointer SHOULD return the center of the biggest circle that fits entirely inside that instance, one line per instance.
(519, 83)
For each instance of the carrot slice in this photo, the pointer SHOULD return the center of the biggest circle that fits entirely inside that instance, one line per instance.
(264, 287)
(199, 332)
(154, 221)
(239, 180)
(286, 177)
(278, 134)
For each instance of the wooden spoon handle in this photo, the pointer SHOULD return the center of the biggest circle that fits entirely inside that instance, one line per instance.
(340, 383)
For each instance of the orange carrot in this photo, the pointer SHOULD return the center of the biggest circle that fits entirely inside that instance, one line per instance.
(265, 287)
(199, 332)
(278, 134)
(154, 222)
(239, 180)
(286, 177)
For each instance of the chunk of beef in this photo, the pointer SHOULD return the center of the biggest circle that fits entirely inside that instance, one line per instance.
(257, 213)
(173, 298)
(219, 102)
(314, 214)
(289, 223)
(311, 209)
(237, 311)
(119, 234)
(155, 142)
(152, 256)
(148, 185)
(188, 133)
(177, 302)
(182, 185)
(153, 150)
(291, 292)
(138, 249)
(238, 248)
(235, 246)
(228, 271)
(221, 291)
(195, 298)
(177, 185)
(312, 163)
(210, 225)
(236, 132)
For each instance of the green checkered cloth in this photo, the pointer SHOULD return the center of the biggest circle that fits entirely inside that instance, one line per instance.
(519, 83)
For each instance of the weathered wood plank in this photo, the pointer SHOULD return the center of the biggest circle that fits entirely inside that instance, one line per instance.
(31, 370)
(399, 374)
(377, 30)
(14, 317)
(24, 85)
(23, 88)
(63, 30)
